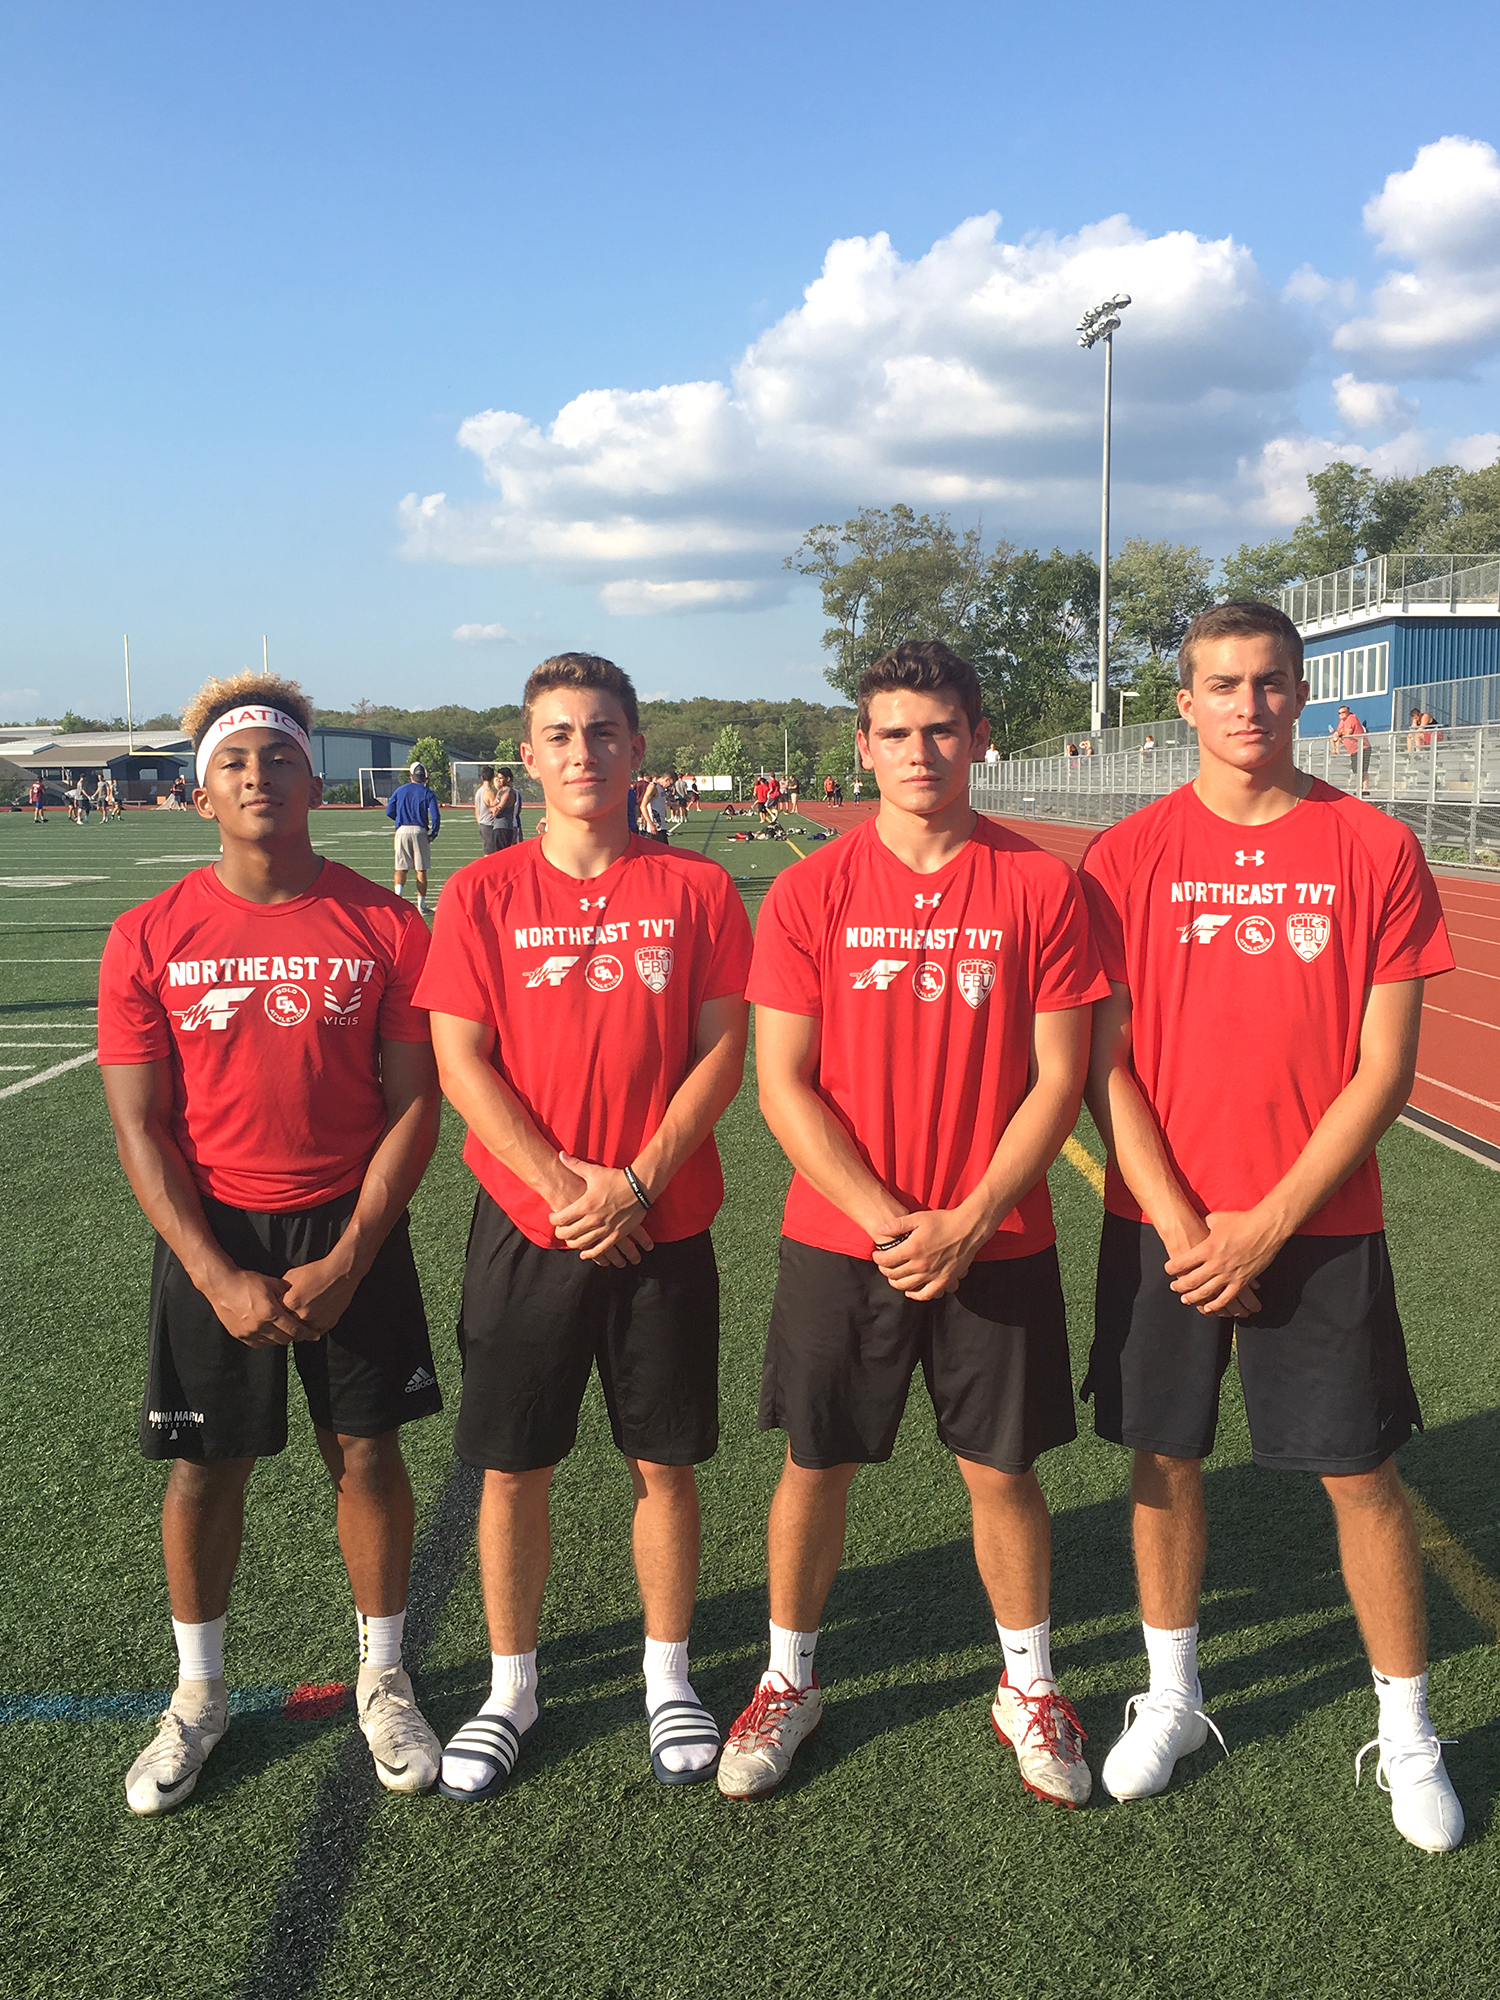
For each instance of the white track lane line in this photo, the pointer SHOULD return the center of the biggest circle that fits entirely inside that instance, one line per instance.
(47, 961)
(46, 1075)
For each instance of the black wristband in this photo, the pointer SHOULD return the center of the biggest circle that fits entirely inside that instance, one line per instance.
(636, 1189)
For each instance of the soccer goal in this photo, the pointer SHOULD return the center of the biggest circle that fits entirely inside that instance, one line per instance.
(378, 781)
(466, 770)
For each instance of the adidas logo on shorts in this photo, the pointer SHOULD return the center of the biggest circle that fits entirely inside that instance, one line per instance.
(421, 1380)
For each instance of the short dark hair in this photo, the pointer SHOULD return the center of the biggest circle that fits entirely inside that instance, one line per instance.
(1239, 618)
(504, 775)
(582, 670)
(922, 666)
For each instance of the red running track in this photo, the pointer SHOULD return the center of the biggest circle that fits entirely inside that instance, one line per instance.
(1458, 1061)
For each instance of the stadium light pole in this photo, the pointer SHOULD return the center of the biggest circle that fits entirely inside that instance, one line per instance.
(1126, 694)
(1100, 323)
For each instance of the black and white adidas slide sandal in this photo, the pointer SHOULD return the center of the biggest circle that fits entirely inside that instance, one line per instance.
(486, 1739)
(682, 1725)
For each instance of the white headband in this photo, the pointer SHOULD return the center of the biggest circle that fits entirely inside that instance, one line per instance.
(237, 720)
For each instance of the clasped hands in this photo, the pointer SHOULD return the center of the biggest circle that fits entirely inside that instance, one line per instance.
(598, 1215)
(1217, 1273)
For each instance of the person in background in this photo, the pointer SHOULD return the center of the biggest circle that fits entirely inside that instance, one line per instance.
(177, 796)
(1351, 736)
(38, 798)
(486, 799)
(828, 791)
(508, 808)
(794, 792)
(857, 788)
(414, 808)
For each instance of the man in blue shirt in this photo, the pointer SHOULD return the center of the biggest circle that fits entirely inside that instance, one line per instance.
(414, 808)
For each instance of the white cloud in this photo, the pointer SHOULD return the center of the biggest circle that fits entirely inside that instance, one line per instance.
(951, 380)
(1441, 217)
(18, 697)
(636, 597)
(1371, 406)
(1476, 452)
(1273, 485)
(485, 635)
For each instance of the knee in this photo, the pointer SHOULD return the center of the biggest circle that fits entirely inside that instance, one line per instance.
(366, 1465)
(652, 1482)
(1355, 1492)
(1158, 1481)
(196, 1484)
(815, 1483)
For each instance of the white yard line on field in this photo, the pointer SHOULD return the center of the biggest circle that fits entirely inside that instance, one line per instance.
(45, 1075)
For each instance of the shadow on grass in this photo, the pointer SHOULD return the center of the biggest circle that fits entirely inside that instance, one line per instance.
(45, 1006)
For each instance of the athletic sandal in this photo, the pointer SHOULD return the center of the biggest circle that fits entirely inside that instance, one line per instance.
(682, 1725)
(1048, 1740)
(758, 1751)
(1158, 1729)
(166, 1772)
(1424, 1804)
(403, 1743)
(486, 1739)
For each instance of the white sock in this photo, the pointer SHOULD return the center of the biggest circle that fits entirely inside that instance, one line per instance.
(792, 1655)
(1028, 1654)
(513, 1695)
(665, 1668)
(200, 1650)
(1173, 1658)
(379, 1644)
(1403, 1708)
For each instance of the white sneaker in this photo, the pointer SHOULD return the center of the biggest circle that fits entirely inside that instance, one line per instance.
(1424, 1804)
(1048, 1740)
(192, 1724)
(405, 1748)
(758, 1750)
(1159, 1728)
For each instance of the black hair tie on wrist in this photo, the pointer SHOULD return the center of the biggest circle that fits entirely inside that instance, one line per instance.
(636, 1189)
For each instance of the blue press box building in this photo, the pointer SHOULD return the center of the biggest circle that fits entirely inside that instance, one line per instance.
(1400, 632)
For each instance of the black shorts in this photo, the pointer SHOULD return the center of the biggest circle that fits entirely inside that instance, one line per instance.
(209, 1396)
(1322, 1365)
(535, 1322)
(844, 1345)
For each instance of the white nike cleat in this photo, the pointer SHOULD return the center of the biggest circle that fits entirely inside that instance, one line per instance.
(406, 1750)
(192, 1724)
(759, 1749)
(1159, 1728)
(1424, 1804)
(1048, 1740)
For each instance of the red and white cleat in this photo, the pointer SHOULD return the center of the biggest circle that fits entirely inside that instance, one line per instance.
(1048, 1740)
(758, 1750)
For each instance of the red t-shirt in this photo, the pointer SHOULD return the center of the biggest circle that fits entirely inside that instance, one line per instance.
(594, 990)
(926, 986)
(1248, 952)
(271, 1015)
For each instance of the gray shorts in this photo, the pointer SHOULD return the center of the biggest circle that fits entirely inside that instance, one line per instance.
(413, 848)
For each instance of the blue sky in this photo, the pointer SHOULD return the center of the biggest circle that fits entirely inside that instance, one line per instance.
(263, 263)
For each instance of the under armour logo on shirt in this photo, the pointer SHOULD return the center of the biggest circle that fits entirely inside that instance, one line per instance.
(930, 902)
(1242, 855)
(597, 904)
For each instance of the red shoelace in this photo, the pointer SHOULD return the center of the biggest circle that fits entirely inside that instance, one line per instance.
(768, 1709)
(1045, 1714)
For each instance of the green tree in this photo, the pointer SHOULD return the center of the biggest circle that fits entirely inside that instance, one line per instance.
(685, 759)
(1156, 590)
(887, 575)
(1258, 571)
(728, 758)
(429, 751)
(1033, 640)
(506, 751)
(841, 758)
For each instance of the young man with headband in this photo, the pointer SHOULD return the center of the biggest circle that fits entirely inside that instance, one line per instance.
(274, 1100)
(1266, 940)
(588, 1014)
(922, 995)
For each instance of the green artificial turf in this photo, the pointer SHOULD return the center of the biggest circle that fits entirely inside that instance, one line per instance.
(902, 1856)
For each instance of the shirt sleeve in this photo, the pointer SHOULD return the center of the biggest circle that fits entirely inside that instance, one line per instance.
(729, 966)
(133, 1025)
(454, 978)
(1106, 911)
(1068, 970)
(401, 1019)
(784, 970)
(435, 818)
(1413, 941)
(390, 804)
